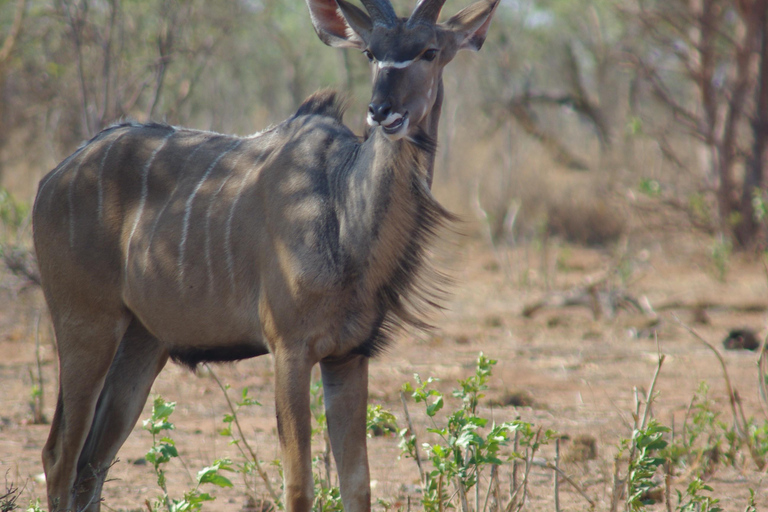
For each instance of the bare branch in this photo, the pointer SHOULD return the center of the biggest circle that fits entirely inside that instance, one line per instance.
(76, 16)
(662, 93)
(413, 433)
(527, 121)
(106, 75)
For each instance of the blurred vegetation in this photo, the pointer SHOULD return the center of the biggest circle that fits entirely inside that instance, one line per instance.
(592, 101)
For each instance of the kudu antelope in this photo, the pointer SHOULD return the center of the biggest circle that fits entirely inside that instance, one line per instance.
(302, 241)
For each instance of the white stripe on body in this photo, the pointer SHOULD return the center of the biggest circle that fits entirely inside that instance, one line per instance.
(188, 212)
(208, 258)
(144, 193)
(165, 206)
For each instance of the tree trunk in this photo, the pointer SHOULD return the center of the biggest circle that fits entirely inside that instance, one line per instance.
(747, 232)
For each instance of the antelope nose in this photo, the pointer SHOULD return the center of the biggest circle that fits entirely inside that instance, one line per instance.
(378, 112)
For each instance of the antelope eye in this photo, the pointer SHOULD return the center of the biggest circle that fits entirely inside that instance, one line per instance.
(429, 55)
(368, 54)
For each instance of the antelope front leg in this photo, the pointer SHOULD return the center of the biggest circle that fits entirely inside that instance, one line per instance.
(345, 385)
(294, 428)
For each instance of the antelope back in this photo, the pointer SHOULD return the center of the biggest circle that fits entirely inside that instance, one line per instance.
(188, 228)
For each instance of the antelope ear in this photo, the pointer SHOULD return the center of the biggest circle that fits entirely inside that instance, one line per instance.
(471, 24)
(340, 24)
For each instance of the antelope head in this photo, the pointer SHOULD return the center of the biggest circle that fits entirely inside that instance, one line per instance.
(407, 54)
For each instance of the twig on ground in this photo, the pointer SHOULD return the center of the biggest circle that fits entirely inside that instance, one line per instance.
(259, 469)
(576, 486)
(617, 492)
(416, 443)
(556, 467)
(732, 397)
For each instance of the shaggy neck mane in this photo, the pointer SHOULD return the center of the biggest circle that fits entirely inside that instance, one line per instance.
(416, 288)
(388, 220)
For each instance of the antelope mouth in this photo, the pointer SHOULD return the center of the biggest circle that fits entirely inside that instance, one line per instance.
(395, 126)
(395, 123)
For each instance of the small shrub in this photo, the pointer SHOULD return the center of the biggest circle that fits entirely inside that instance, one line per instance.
(9, 497)
(701, 447)
(164, 449)
(467, 444)
(586, 220)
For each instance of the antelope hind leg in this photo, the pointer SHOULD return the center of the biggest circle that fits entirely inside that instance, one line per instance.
(345, 386)
(139, 359)
(86, 350)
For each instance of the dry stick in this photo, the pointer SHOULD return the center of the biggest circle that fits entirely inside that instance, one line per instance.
(327, 458)
(497, 492)
(557, 474)
(648, 401)
(649, 397)
(573, 484)
(524, 484)
(515, 462)
(644, 422)
(667, 486)
(490, 487)
(467, 457)
(257, 464)
(440, 493)
(415, 441)
(462, 494)
(477, 483)
(618, 486)
(732, 397)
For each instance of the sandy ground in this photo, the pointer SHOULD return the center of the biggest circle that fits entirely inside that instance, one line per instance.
(580, 373)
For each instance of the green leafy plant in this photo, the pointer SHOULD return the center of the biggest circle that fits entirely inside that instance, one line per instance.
(702, 444)
(379, 421)
(34, 506)
(164, 449)
(646, 444)
(467, 444)
(694, 499)
(721, 257)
(13, 213)
(650, 187)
